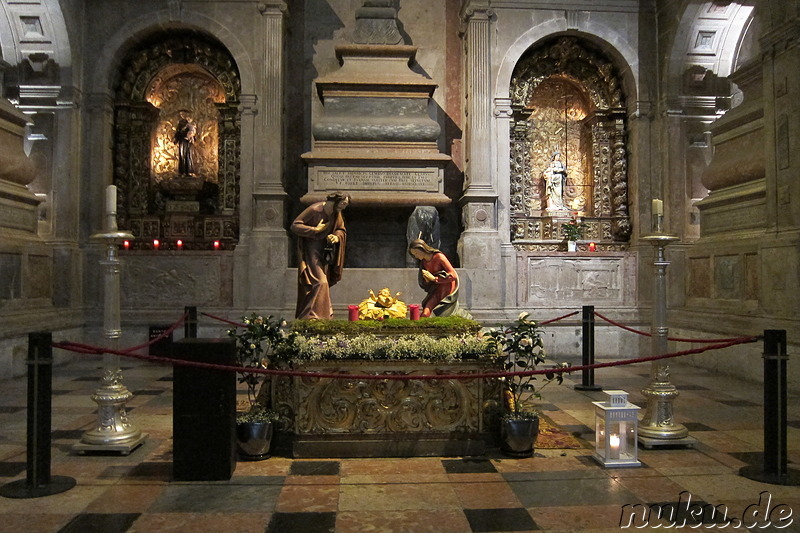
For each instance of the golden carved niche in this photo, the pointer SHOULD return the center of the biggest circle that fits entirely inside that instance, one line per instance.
(559, 107)
(566, 98)
(188, 89)
(179, 73)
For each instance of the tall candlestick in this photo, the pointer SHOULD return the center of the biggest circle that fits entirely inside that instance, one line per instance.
(658, 207)
(111, 199)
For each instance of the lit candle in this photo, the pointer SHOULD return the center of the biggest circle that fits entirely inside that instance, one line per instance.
(126, 244)
(111, 199)
(592, 247)
(155, 244)
(658, 207)
(216, 245)
(180, 244)
(613, 440)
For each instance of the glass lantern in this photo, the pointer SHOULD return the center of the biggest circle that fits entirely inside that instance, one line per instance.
(616, 431)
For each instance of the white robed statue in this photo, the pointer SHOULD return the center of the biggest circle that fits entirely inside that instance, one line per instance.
(555, 177)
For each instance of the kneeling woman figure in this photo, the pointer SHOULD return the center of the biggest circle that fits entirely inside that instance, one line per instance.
(438, 278)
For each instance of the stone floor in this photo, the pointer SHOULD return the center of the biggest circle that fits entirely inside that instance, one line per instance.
(556, 490)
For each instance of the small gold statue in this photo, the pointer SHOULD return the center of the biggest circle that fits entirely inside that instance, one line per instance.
(380, 306)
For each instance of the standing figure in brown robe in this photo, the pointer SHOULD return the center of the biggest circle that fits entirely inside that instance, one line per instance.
(322, 238)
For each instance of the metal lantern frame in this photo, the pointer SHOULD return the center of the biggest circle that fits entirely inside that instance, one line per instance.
(616, 431)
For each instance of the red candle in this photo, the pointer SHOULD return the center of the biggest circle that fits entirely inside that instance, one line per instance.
(155, 244)
(352, 313)
(180, 244)
(414, 311)
(126, 244)
(592, 247)
(216, 245)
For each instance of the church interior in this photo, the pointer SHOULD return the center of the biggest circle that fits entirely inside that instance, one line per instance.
(630, 155)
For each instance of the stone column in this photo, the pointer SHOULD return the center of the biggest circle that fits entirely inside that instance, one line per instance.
(479, 246)
(263, 209)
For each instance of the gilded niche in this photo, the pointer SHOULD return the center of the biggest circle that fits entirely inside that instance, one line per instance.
(177, 138)
(568, 151)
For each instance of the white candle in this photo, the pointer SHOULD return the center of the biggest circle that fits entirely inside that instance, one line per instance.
(111, 199)
(613, 441)
(658, 207)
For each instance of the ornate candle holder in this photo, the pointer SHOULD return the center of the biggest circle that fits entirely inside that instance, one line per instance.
(658, 426)
(113, 431)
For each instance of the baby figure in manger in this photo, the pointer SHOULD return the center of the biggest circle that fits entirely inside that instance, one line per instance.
(380, 306)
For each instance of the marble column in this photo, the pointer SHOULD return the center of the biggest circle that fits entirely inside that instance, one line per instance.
(479, 246)
(263, 209)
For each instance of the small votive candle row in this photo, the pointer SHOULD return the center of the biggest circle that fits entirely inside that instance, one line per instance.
(156, 244)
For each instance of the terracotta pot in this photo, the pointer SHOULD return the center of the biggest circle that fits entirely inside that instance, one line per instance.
(517, 436)
(254, 440)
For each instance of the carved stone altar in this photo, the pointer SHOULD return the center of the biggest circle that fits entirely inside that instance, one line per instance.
(389, 418)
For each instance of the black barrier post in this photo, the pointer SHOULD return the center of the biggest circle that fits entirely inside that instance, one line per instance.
(587, 375)
(190, 326)
(39, 482)
(774, 469)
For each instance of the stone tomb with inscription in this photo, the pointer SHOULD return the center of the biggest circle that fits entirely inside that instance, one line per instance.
(375, 138)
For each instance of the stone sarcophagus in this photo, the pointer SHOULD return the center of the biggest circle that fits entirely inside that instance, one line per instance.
(335, 417)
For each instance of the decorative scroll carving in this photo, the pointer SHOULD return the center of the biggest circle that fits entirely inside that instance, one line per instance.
(323, 406)
(566, 98)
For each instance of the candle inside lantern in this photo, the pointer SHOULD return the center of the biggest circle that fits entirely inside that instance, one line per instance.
(658, 207)
(613, 441)
(111, 200)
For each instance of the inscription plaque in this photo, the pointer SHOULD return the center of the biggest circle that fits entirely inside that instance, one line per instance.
(417, 180)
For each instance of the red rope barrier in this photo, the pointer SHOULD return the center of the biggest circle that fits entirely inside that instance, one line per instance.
(77, 347)
(237, 324)
(559, 318)
(677, 339)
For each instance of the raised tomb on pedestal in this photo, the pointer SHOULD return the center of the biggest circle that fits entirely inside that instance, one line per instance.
(25, 260)
(375, 138)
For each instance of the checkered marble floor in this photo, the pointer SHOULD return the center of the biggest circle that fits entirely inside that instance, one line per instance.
(556, 490)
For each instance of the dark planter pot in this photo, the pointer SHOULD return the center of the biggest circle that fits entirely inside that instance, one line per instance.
(517, 437)
(254, 440)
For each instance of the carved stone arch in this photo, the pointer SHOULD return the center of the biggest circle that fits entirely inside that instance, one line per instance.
(590, 129)
(166, 79)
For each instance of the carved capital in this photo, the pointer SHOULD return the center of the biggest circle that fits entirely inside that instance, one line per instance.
(247, 104)
(502, 108)
(273, 8)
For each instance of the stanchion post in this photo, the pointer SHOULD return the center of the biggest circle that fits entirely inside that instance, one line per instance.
(587, 374)
(38, 481)
(774, 469)
(190, 326)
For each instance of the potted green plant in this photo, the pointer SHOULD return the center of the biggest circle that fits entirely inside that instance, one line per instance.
(522, 345)
(573, 232)
(258, 342)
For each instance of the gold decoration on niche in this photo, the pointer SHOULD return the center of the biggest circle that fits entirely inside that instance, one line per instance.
(190, 93)
(558, 110)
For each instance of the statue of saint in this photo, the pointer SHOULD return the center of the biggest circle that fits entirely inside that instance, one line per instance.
(438, 278)
(321, 242)
(184, 137)
(555, 177)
